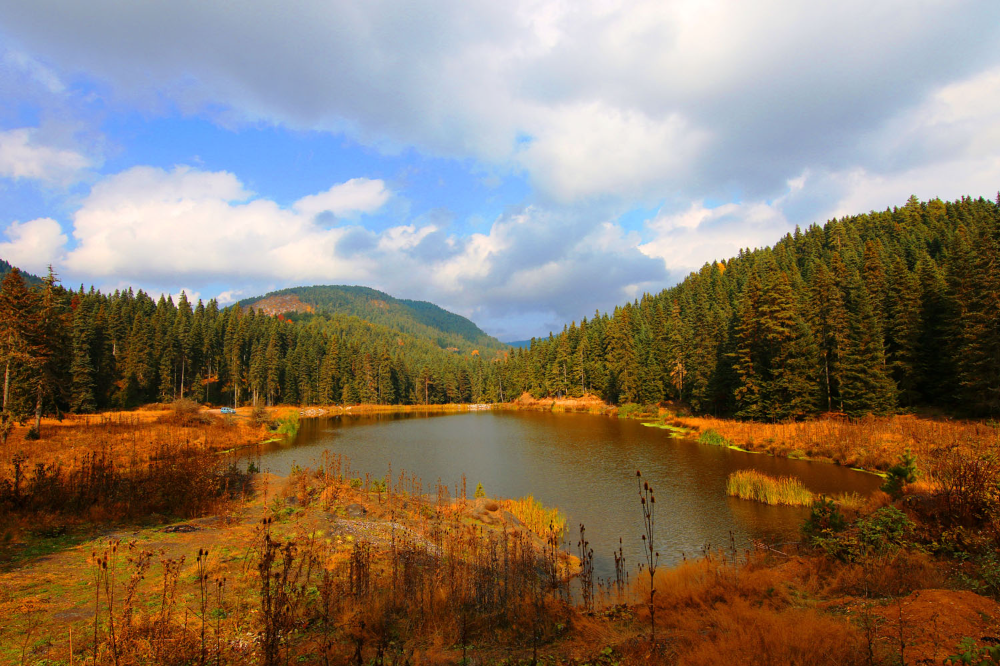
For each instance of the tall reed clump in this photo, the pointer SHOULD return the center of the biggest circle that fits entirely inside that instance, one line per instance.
(749, 484)
(713, 438)
(535, 516)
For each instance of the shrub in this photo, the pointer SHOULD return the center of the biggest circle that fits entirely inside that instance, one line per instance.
(883, 531)
(480, 491)
(629, 410)
(971, 652)
(903, 472)
(971, 488)
(288, 425)
(535, 516)
(259, 416)
(185, 412)
(824, 520)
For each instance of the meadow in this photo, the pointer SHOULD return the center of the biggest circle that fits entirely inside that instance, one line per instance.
(326, 567)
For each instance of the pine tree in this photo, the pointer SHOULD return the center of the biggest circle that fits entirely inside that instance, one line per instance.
(52, 347)
(867, 386)
(82, 399)
(830, 325)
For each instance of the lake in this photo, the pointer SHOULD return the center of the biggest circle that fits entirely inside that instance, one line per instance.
(585, 465)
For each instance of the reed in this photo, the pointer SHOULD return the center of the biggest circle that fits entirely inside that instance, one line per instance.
(535, 516)
(750, 484)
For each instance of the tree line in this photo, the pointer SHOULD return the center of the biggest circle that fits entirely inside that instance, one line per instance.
(81, 351)
(866, 314)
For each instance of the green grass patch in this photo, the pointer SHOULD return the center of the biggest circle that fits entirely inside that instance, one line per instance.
(40, 546)
(713, 438)
(631, 410)
(749, 484)
(288, 425)
(675, 431)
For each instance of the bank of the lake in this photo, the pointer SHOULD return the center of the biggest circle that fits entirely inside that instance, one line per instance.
(583, 464)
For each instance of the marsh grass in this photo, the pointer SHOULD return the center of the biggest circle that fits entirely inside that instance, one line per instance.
(123, 466)
(750, 484)
(535, 515)
(712, 438)
(870, 443)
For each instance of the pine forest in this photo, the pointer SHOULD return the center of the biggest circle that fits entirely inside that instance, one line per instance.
(874, 313)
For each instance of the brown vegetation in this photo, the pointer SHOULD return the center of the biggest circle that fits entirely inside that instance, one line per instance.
(171, 461)
(873, 442)
(589, 403)
(325, 567)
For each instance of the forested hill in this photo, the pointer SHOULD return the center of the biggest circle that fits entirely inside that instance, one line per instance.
(30, 279)
(417, 318)
(872, 313)
(82, 351)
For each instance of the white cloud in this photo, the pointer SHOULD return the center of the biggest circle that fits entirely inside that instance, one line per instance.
(358, 195)
(593, 149)
(23, 157)
(33, 245)
(155, 228)
(646, 98)
(191, 295)
(687, 239)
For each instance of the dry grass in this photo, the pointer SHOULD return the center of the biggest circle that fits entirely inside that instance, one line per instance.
(749, 484)
(418, 578)
(133, 437)
(120, 466)
(871, 443)
(536, 517)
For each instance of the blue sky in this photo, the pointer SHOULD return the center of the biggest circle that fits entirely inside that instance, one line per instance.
(521, 163)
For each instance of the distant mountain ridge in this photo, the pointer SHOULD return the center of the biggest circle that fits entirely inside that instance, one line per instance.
(6, 267)
(418, 318)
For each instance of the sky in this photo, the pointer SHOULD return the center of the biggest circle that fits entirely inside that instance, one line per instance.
(521, 163)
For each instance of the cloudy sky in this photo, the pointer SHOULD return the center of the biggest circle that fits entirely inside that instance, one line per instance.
(522, 163)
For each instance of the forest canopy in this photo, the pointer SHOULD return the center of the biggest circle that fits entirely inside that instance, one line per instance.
(865, 314)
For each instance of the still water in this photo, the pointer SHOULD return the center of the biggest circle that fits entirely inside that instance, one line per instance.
(583, 464)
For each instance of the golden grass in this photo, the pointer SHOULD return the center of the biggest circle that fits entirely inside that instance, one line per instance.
(749, 484)
(874, 442)
(535, 516)
(133, 437)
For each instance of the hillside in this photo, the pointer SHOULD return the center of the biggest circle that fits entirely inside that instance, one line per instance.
(417, 318)
(873, 313)
(31, 280)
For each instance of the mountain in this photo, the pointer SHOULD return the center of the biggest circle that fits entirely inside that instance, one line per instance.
(31, 280)
(417, 318)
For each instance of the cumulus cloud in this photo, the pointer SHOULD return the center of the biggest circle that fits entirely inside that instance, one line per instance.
(785, 112)
(358, 195)
(597, 98)
(148, 223)
(149, 226)
(685, 240)
(33, 245)
(22, 156)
